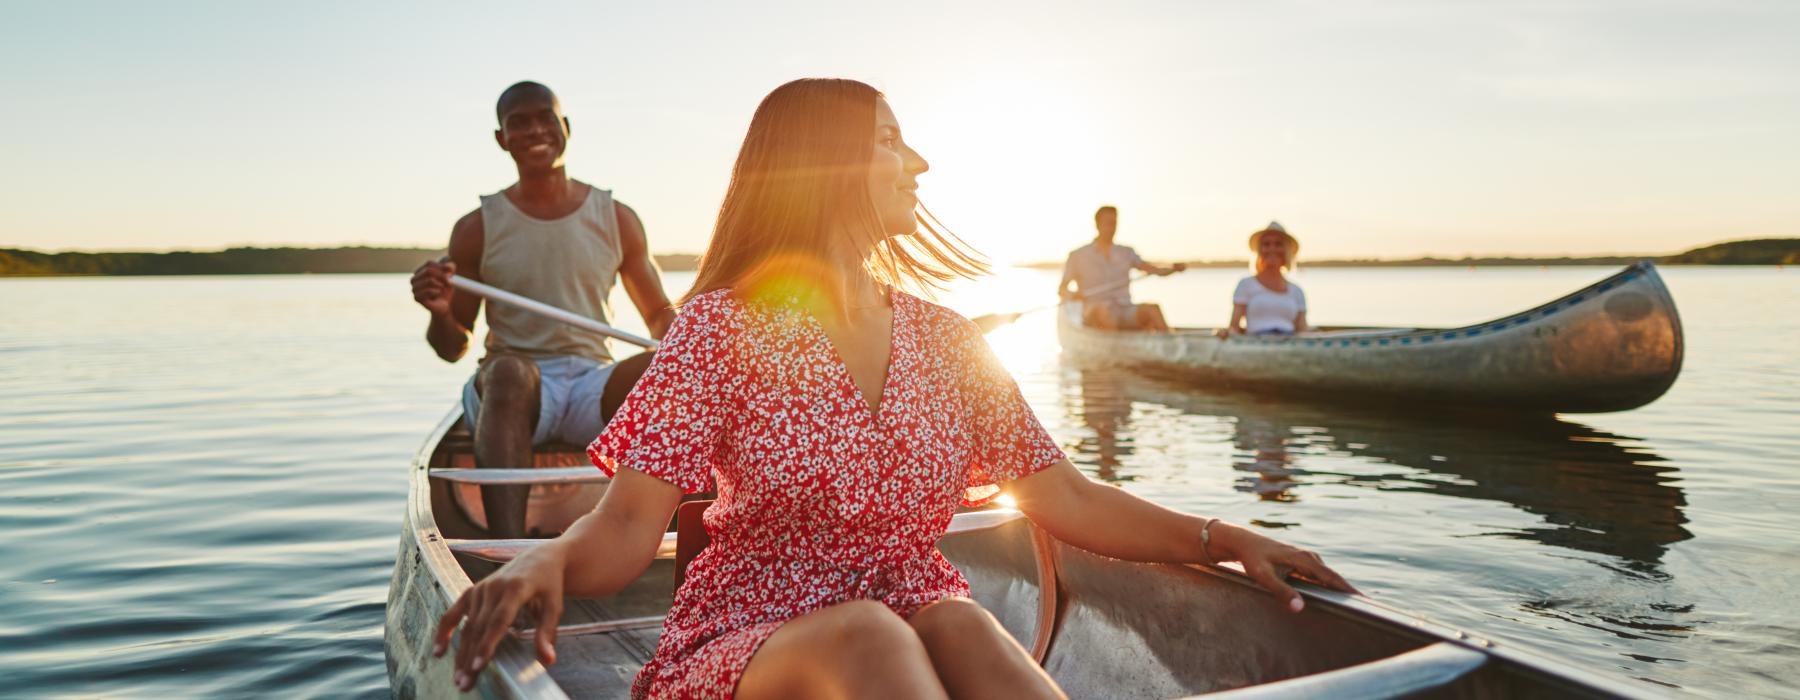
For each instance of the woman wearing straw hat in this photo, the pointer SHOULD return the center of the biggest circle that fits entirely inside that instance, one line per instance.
(1267, 303)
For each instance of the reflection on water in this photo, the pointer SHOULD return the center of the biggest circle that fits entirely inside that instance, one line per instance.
(1591, 491)
(1104, 408)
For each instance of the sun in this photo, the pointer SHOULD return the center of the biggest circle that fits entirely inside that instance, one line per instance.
(1017, 166)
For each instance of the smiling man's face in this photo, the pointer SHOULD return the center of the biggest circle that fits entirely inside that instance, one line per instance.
(532, 128)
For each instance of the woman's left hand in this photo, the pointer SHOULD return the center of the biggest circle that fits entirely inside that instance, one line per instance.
(1269, 562)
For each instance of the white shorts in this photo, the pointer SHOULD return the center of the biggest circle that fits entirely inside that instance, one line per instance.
(569, 389)
(1121, 315)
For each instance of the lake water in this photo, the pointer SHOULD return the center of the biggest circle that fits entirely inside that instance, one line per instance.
(201, 479)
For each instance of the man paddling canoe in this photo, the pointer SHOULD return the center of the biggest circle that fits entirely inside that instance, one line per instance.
(1101, 272)
(556, 240)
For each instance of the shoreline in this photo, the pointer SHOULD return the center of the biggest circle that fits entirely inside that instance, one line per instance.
(16, 262)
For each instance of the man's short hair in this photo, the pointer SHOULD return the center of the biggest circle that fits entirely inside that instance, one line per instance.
(518, 90)
(1108, 209)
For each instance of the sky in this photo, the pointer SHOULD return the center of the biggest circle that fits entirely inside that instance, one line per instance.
(1369, 129)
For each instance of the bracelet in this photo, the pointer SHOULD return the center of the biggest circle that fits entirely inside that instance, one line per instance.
(1206, 541)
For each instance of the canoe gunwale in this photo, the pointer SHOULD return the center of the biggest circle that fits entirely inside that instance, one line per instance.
(1429, 632)
(1362, 610)
(514, 670)
(1349, 336)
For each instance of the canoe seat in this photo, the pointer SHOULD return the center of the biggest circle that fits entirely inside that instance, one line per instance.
(690, 536)
(1426, 668)
(502, 551)
(522, 477)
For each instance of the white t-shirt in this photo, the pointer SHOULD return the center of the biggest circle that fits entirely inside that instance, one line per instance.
(1267, 311)
(1091, 268)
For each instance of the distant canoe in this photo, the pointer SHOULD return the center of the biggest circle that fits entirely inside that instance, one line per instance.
(1100, 627)
(1612, 346)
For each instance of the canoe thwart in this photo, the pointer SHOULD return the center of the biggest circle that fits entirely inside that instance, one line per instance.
(605, 627)
(521, 477)
(1422, 669)
(978, 520)
(503, 551)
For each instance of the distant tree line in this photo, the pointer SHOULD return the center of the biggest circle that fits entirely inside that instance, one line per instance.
(238, 261)
(297, 261)
(1762, 251)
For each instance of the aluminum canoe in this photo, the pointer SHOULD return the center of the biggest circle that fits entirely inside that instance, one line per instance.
(1101, 627)
(1611, 346)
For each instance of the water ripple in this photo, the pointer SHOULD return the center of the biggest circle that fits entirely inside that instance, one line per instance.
(202, 479)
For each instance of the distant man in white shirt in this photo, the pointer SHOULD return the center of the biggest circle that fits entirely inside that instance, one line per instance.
(1101, 271)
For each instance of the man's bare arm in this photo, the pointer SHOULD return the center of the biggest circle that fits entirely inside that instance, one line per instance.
(1154, 269)
(1062, 288)
(643, 282)
(452, 313)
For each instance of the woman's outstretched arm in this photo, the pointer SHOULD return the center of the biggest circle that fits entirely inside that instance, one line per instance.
(601, 553)
(1110, 521)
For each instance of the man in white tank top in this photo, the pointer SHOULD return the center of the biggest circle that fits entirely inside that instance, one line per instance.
(562, 242)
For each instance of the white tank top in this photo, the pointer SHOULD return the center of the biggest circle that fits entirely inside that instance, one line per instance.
(571, 262)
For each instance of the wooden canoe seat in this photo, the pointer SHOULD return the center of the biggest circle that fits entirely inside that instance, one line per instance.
(690, 535)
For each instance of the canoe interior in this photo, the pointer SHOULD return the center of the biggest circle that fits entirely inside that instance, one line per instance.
(1121, 630)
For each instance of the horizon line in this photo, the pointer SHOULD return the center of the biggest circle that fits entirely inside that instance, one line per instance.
(1447, 257)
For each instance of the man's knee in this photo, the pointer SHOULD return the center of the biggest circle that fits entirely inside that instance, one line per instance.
(1098, 317)
(507, 378)
(1151, 316)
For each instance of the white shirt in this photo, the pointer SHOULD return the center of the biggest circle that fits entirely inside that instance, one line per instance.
(1091, 268)
(1268, 311)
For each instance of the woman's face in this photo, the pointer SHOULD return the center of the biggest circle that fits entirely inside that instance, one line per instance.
(1271, 250)
(893, 174)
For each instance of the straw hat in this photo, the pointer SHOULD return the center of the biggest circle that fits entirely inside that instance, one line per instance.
(1293, 245)
(1275, 227)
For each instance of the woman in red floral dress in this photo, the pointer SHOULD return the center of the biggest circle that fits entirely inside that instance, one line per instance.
(842, 422)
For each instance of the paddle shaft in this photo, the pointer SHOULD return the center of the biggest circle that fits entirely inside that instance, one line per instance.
(537, 307)
(1109, 287)
(988, 322)
(1103, 288)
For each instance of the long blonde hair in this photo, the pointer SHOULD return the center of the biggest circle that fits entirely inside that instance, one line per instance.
(802, 177)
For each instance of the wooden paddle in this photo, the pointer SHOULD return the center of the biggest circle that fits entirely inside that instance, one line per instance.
(543, 309)
(988, 322)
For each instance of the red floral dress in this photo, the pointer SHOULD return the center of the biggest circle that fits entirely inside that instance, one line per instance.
(820, 500)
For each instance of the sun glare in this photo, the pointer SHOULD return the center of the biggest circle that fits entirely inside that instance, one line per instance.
(1009, 173)
(1018, 344)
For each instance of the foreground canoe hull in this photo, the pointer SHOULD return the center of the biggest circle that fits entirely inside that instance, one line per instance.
(1128, 630)
(1612, 346)
(1101, 627)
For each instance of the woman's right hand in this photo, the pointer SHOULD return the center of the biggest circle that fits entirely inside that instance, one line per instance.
(534, 580)
(1222, 333)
